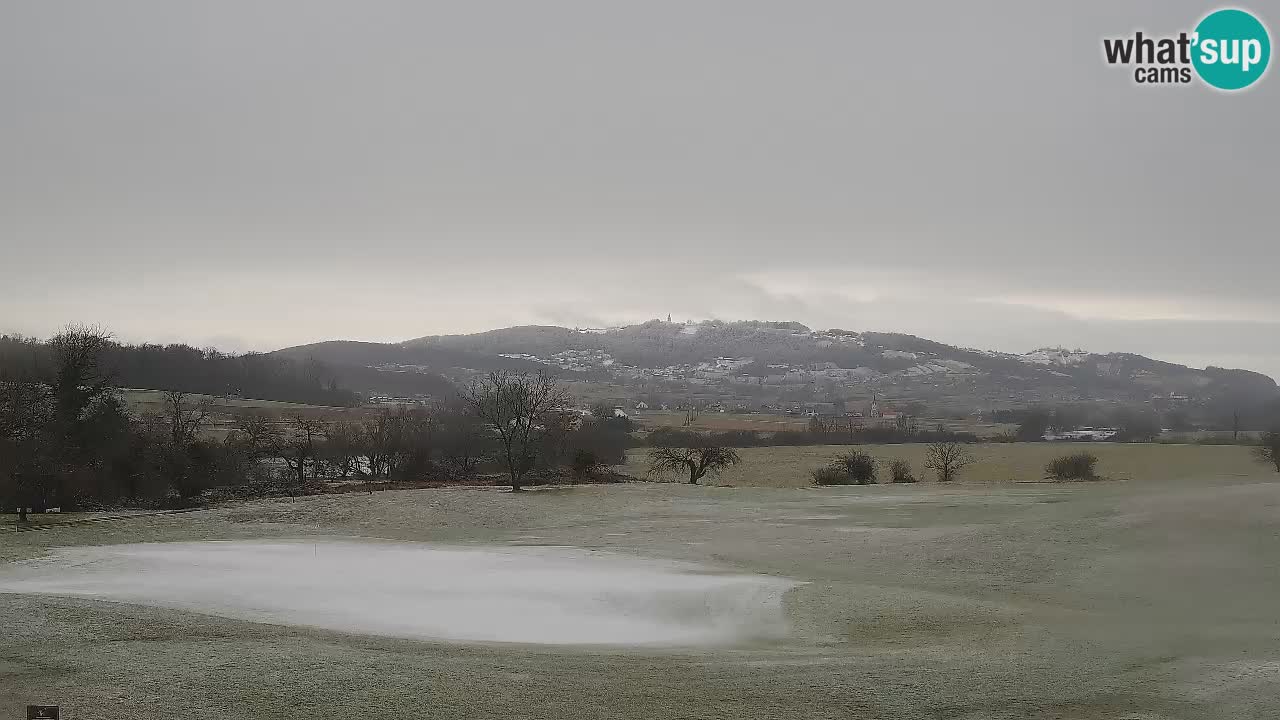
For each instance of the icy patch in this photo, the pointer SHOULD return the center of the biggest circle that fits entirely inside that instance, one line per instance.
(547, 595)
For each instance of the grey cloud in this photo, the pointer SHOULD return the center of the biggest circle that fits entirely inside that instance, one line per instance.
(284, 172)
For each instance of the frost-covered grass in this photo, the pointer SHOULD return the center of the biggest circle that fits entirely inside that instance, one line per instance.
(997, 462)
(554, 596)
(1148, 598)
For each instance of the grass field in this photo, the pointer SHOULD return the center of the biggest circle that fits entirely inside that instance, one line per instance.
(996, 462)
(1143, 600)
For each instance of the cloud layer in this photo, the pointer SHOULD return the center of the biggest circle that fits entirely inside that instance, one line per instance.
(257, 176)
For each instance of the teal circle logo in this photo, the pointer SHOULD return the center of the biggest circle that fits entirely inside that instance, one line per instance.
(1231, 49)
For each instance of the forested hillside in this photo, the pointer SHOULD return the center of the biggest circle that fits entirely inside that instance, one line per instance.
(182, 367)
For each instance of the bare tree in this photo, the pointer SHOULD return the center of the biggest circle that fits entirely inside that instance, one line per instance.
(947, 459)
(1269, 451)
(185, 415)
(691, 414)
(341, 452)
(381, 437)
(461, 439)
(699, 458)
(299, 444)
(253, 438)
(80, 378)
(417, 436)
(518, 407)
(255, 433)
(398, 442)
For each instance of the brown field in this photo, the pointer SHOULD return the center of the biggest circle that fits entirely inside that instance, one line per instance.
(981, 429)
(153, 400)
(996, 462)
(1209, 436)
(223, 410)
(715, 421)
(765, 422)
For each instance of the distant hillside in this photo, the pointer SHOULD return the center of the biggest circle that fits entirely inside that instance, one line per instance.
(659, 344)
(750, 363)
(181, 367)
(397, 370)
(351, 352)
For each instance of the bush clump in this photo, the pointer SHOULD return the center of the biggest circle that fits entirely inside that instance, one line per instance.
(859, 466)
(830, 475)
(1077, 466)
(852, 468)
(900, 471)
(586, 465)
(1269, 451)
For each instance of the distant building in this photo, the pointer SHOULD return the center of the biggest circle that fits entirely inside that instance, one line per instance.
(1083, 434)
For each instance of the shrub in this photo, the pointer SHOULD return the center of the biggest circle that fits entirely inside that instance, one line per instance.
(672, 437)
(831, 475)
(859, 466)
(1077, 466)
(586, 465)
(1269, 451)
(852, 468)
(900, 471)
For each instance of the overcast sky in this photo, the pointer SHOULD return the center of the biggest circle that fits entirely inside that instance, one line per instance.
(255, 175)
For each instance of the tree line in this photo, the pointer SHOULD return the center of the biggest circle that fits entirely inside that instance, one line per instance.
(68, 439)
(1142, 424)
(182, 367)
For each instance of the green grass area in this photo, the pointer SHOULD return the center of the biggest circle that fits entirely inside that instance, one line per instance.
(996, 462)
